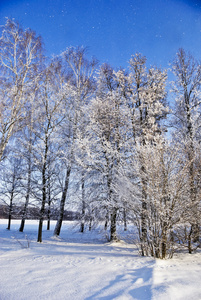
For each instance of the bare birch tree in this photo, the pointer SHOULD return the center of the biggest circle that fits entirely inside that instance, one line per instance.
(20, 63)
(79, 72)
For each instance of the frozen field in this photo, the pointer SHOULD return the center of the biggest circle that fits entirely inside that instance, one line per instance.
(79, 266)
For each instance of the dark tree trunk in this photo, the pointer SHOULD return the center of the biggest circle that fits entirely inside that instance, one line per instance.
(24, 215)
(90, 223)
(44, 195)
(40, 228)
(49, 207)
(42, 210)
(62, 203)
(11, 204)
(82, 226)
(164, 243)
(106, 220)
(163, 250)
(10, 214)
(21, 229)
(48, 216)
(113, 229)
(125, 221)
(83, 205)
(189, 241)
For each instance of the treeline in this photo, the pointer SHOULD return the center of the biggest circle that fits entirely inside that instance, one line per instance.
(106, 141)
(33, 213)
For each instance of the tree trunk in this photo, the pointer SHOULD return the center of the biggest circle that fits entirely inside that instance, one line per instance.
(189, 241)
(48, 216)
(44, 182)
(62, 203)
(83, 205)
(113, 229)
(106, 220)
(191, 156)
(125, 221)
(163, 250)
(164, 244)
(10, 214)
(49, 209)
(144, 211)
(24, 215)
(144, 226)
(90, 223)
(11, 205)
(42, 210)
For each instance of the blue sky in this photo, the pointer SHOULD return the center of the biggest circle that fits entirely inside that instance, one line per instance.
(112, 30)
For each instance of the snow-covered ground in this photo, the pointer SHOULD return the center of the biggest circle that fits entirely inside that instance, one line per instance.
(79, 266)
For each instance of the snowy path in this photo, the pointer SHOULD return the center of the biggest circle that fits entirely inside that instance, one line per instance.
(85, 267)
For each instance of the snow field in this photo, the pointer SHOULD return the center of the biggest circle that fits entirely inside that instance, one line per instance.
(78, 266)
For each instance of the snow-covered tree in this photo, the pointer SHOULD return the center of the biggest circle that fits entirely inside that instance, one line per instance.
(186, 88)
(144, 93)
(79, 86)
(20, 64)
(25, 141)
(105, 142)
(49, 109)
(11, 184)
